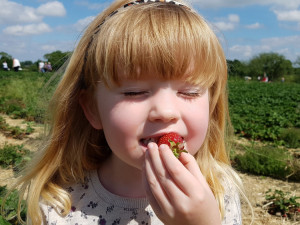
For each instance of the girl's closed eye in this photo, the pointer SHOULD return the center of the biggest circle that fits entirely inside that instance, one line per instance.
(135, 93)
(191, 93)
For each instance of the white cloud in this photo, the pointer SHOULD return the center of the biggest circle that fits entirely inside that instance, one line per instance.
(224, 26)
(264, 48)
(217, 3)
(280, 4)
(54, 8)
(287, 4)
(288, 46)
(280, 42)
(284, 51)
(254, 26)
(229, 23)
(234, 18)
(30, 29)
(286, 11)
(21, 20)
(54, 46)
(48, 48)
(243, 51)
(93, 6)
(288, 15)
(81, 24)
(12, 12)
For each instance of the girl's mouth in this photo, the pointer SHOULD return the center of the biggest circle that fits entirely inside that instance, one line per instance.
(146, 141)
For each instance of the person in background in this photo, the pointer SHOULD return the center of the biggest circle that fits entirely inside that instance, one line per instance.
(16, 65)
(41, 67)
(49, 67)
(265, 78)
(5, 66)
(45, 67)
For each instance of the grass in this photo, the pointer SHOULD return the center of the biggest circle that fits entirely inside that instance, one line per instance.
(266, 160)
(24, 95)
(291, 137)
(14, 156)
(15, 131)
(9, 210)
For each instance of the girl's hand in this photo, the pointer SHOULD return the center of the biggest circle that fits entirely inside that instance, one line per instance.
(177, 190)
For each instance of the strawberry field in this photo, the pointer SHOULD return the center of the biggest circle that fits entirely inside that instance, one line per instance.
(266, 111)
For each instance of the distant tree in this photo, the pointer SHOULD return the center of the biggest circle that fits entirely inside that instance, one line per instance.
(57, 58)
(29, 65)
(273, 64)
(297, 68)
(287, 67)
(6, 57)
(297, 62)
(26, 63)
(237, 68)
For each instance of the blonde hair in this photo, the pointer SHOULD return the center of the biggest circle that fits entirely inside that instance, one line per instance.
(166, 39)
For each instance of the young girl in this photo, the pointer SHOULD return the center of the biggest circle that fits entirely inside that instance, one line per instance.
(141, 70)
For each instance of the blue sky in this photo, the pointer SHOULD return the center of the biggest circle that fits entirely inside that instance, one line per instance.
(29, 29)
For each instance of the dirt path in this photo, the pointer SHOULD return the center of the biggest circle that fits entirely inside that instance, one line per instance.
(255, 186)
(30, 142)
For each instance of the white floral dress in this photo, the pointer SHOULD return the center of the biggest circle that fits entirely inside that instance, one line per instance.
(94, 205)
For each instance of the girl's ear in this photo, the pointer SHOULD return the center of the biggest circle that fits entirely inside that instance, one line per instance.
(89, 108)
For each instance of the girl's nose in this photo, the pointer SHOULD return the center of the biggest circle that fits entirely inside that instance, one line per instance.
(164, 108)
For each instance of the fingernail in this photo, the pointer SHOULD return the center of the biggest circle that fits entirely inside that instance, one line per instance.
(151, 145)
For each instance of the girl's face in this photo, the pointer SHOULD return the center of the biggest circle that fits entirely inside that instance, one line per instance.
(138, 111)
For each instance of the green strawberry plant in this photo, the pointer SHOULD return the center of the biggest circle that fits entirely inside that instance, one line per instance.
(9, 210)
(281, 202)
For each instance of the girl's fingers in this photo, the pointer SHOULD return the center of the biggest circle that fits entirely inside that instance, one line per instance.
(152, 200)
(185, 172)
(155, 192)
(189, 162)
(163, 177)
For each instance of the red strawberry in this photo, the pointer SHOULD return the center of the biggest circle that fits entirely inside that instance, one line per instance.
(174, 141)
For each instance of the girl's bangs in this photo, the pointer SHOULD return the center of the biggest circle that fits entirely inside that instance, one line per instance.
(141, 41)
